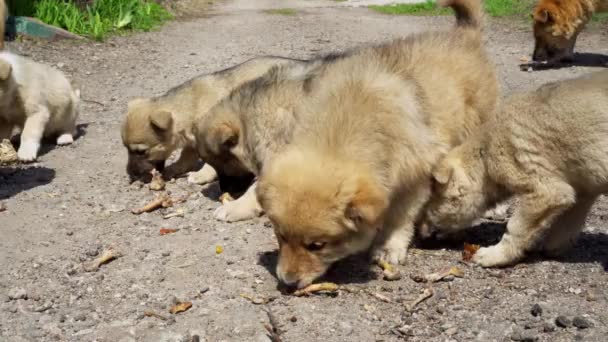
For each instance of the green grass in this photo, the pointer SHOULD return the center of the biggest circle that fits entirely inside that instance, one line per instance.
(282, 11)
(495, 8)
(98, 20)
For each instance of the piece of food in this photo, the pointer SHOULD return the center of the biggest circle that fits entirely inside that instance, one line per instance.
(313, 288)
(163, 201)
(180, 307)
(149, 313)
(255, 299)
(437, 276)
(381, 297)
(8, 155)
(219, 249)
(165, 231)
(389, 272)
(426, 294)
(468, 251)
(157, 183)
(107, 256)
(225, 198)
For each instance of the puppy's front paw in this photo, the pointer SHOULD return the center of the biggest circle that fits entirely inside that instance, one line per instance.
(393, 252)
(201, 177)
(235, 211)
(494, 256)
(28, 151)
(65, 139)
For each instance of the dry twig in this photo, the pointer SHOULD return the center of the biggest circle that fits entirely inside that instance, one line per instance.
(107, 256)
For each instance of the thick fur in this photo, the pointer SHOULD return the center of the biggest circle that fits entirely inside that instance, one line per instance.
(557, 24)
(3, 17)
(358, 168)
(156, 127)
(38, 100)
(549, 150)
(250, 126)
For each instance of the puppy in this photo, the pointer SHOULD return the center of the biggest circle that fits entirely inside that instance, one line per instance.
(557, 23)
(38, 100)
(548, 149)
(156, 127)
(358, 167)
(251, 125)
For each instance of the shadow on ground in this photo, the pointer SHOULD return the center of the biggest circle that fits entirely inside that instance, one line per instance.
(15, 180)
(580, 60)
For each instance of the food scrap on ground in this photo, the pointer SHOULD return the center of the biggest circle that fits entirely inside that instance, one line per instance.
(219, 249)
(426, 294)
(437, 276)
(149, 313)
(8, 155)
(180, 307)
(255, 299)
(468, 251)
(314, 288)
(162, 201)
(165, 231)
(177, 213)
(107, 256)
(157, 183)
(389, 272)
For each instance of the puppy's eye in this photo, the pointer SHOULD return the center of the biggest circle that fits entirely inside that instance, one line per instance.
(315, 246)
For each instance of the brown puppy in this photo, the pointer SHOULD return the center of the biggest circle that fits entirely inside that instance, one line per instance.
(156, 127)
(557, 23)
(547, 148)
(358, 167)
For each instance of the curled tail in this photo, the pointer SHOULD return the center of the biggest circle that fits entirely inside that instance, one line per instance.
(469, 13)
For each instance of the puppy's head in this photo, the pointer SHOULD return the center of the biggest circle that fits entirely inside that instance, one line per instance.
(147, 133)
(556, 26)
(322, 211)
(458, 196)
(220, 141)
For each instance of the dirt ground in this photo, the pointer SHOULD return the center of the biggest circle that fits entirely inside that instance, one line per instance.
(75, 203)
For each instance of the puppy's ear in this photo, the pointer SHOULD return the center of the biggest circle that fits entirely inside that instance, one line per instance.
(542, 16)
(367, 204)
(442, 174)
(225, 135)
(161, 120)
(5, 70)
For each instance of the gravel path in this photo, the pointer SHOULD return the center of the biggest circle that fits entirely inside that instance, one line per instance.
(75, 203)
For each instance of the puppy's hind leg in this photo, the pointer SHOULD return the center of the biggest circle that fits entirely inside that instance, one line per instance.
(564, 231)
(399, 229)
(33, 131)
(532, 219)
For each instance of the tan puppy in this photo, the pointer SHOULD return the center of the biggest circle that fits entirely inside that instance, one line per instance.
(359, 165)
(251, 125)
(38, 100)
(557, 23)
(549, 149)
(156, 127)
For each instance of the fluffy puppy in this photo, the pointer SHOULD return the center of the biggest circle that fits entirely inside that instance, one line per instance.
(246, 129)
(38, 100)
(358, 168)
(156, 127)
(549, 150)
(557, 24)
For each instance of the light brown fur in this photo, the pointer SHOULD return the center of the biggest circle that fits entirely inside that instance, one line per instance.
(359, 165)
(549, 150)
(557, 24)
(3, 17)
(156, 127)
(38, 100)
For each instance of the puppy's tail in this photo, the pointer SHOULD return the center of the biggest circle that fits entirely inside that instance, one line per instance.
(469, 13)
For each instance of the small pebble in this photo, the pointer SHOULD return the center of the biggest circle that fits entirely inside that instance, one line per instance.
(548, 327)
(166, 254)
(80, 317)
(524, 336)
(205, 289)
(537, 310)
(581, 322)
(17, 293)
(293, 319)
(563, 322)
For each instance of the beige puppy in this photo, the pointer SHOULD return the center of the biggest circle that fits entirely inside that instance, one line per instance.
(251, 125)
(156, 127)
(358, 167)
(549, 149)
(38, 100)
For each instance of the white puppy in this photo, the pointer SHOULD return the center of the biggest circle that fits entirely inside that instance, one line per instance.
(38, 100)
